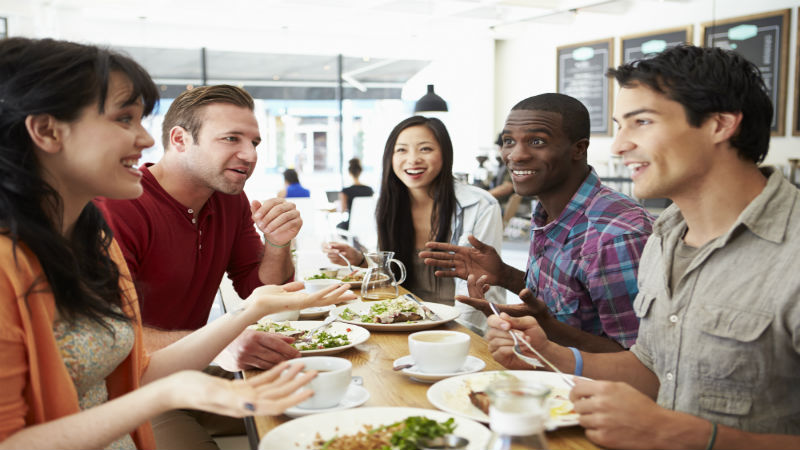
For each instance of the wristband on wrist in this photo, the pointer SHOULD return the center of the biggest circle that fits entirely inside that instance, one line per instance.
(363, 258)
(713, 436)
(578, 361)
(276, 245)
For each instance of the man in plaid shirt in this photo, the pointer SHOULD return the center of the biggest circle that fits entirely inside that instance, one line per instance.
(586, 238)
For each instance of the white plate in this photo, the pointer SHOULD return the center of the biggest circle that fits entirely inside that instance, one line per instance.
(472, 365)
(315, 312)
(355, 396)
(452, 395)
(357, 335)
(301, 433)
(446, 313)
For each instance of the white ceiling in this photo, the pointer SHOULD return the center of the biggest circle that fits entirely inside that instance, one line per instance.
(364, 18)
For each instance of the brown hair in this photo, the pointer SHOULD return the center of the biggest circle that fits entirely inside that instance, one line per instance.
(185, 110)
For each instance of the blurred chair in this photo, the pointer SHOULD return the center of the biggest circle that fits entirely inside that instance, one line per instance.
(362, 221)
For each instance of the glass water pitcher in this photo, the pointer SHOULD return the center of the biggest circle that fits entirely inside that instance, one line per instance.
(379, 282)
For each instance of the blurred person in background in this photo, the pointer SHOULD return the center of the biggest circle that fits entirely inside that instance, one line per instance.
(354, 190)
(293, 188)
(420, 201)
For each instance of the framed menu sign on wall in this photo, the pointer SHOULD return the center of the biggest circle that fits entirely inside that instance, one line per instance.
(581, 70)
(764, 40)
(641, 46)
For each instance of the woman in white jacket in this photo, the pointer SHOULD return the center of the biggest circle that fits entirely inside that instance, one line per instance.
(420, 201)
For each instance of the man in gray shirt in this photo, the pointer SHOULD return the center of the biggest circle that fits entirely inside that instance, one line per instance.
(719, 340)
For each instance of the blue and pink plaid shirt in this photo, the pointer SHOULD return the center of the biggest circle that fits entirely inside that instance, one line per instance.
(584, 264)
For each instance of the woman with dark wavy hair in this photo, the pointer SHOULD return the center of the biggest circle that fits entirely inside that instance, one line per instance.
(70, 330)
(419, 201)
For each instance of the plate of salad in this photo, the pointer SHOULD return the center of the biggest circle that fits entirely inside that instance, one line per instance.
(397, 314)
(336, 338)
(370, 428)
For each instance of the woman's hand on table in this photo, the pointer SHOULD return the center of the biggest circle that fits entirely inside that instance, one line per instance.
(272, 298)
(501, 344)
(269, 393)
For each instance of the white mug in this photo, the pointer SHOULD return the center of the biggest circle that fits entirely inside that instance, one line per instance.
(439, 351)
(331, 383)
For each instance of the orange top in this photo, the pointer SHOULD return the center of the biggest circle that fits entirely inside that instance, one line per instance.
(36, 386)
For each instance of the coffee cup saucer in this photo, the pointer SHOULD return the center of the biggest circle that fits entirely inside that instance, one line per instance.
(355, 396)
(472, 365)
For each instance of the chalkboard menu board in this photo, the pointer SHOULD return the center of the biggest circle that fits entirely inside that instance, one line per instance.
(581, 72)
(763, 39)
(650, 44)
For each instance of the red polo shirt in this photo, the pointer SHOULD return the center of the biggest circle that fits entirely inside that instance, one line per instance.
(177, 262)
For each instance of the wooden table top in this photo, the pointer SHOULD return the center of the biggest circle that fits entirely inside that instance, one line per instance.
(373, 360)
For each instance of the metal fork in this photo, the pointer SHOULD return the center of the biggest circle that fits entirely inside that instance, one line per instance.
(325, 324)
(532, 361)
(346, 261)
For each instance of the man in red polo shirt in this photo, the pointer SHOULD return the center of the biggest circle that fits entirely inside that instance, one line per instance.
(193, 224)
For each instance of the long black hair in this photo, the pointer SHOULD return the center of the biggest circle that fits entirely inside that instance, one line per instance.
(393, 211)
(60, 79)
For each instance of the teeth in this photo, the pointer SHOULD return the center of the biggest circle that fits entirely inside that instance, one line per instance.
(239, 171)
(634, 166)
(130, 163)
(414, 171)
(523, 172)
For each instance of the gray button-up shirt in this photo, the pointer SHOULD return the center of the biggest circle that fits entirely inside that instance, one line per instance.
(725, 343)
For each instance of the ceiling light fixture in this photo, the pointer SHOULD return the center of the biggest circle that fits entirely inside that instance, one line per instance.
(430, 102)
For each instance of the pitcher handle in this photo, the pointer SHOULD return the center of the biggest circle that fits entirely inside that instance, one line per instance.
(402, 271)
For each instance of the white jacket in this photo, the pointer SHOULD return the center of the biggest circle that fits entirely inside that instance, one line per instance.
(477, 213)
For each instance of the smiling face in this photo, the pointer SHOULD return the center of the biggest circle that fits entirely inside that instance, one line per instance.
(417, 157)
(667, 156)
(538, 154)
(224, 155)
(99, 150)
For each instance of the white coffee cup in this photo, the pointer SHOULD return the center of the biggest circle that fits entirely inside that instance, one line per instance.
(331, 382)
(439, 351)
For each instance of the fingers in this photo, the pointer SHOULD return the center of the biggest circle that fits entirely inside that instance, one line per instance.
(442, 246)
(293, 286)
(477, 303)
(536, 305)
(480, 246)
(475, 291)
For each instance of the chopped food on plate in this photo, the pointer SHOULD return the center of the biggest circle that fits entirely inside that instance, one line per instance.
(403, 435)
(319, 340)
(388, 311)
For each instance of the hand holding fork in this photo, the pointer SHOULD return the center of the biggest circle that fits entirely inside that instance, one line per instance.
(530, 360)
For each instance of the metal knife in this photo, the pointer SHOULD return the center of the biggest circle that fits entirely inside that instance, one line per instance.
(431, 315)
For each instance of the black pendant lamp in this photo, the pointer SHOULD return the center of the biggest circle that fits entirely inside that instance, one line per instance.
(430, 102)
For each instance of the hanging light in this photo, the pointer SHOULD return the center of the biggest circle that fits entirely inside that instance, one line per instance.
(430, 102)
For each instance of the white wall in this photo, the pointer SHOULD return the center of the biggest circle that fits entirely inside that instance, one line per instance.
(526, 62)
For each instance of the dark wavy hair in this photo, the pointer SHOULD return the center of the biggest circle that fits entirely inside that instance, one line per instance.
(393, 211)
(706, 81)
(60, 79)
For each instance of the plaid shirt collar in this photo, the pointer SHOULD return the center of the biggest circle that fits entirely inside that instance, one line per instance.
(558, 230)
